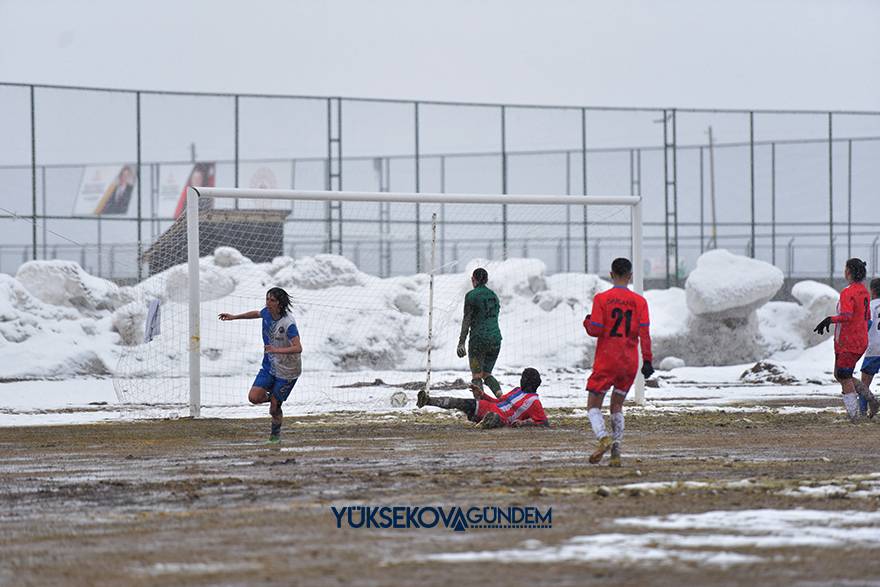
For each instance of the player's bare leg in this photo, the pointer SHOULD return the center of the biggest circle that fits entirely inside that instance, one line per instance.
(597, 422)
(617, 426)
(258, 395)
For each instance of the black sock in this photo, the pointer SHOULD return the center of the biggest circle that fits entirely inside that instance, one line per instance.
(276, 429)
(493, 384)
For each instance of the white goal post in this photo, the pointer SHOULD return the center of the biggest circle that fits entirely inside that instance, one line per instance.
(194, 347)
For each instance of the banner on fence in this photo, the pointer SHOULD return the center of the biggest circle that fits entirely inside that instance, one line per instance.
(175, 178)
(105, 190)
(274, 175)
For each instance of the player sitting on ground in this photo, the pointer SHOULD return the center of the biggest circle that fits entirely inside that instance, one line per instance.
(619, 319)
(481, 319)
(521, 406)
(871, 362)
(851, 338)
(282, 356)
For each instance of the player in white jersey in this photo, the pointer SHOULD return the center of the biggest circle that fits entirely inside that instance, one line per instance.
(282, 356)
(871, 362)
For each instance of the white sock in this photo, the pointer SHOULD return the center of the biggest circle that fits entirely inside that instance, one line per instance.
(597, 422)
(617, 427)
(851, 402)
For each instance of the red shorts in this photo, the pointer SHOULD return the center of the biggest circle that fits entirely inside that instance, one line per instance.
(846, 362)
(602, 380)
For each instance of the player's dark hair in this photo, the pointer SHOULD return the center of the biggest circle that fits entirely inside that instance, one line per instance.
(875, 287)
(530, 380)
(858, 269)
(282, 298)
(621, 267)
(481, 276)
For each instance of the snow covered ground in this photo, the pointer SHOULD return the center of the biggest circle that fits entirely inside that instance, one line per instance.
(83, 399)
(72, 350)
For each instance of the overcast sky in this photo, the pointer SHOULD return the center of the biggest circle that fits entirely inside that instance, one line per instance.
(800, 54)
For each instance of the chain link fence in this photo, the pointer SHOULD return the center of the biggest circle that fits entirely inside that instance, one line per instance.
(797, 189)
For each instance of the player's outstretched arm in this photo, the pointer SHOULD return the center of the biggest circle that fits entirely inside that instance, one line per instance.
(481, 395)
(465, 327)
(245, 316)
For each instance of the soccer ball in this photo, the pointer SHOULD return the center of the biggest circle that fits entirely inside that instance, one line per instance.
(398, 399)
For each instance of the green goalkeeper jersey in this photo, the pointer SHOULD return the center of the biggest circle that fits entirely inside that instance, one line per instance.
(481, 317)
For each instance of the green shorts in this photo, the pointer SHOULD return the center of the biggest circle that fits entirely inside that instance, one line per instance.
(482, 357)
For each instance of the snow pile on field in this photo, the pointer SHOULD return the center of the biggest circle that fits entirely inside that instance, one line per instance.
(67, 337)
(57, 321)
(711, 539)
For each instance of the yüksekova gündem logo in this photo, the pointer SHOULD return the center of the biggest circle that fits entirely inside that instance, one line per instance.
(453, 518)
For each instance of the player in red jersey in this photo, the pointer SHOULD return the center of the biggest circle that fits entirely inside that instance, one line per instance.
(851, 337)
(619, 319)
(521, 406)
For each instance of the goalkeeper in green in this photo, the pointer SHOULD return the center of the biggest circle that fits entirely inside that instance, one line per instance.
(481, 320)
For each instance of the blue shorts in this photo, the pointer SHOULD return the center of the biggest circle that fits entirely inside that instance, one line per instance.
(871, 365)
(278, 388)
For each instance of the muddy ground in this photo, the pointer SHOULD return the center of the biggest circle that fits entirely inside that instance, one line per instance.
(181, 502)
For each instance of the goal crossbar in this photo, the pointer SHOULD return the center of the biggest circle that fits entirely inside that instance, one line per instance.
(192, 226)
(417, 197)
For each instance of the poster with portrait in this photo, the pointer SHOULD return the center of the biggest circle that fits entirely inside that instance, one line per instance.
(173, 181)
(106, 190)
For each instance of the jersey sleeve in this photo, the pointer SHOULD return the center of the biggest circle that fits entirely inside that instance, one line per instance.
(537, 415)
(594, 324)
(292, 330)
(845, 313)
(645, 331)
(467, 318)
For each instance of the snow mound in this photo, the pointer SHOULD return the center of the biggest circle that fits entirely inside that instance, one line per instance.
(129, 321)
(511, 277)
(818, 300)
(723, 282)
(229, 257)
(764, 372)
(670, 363)
(318, 272)
(40, 339)
(65, 283)
(214, 283)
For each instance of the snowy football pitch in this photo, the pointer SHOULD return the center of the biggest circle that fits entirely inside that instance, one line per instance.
(723, 480)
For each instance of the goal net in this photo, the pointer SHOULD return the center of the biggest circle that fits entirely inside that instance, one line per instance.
(377, 283)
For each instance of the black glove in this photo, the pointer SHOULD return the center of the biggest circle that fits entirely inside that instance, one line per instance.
(823, 326)
(460, 351)
(647, 369)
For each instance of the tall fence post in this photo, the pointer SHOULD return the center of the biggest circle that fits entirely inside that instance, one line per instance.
(503, 182)
(830, 201)
(418, 190)
(584, 183)
(140, 242)
(752, 180)
(236, 146)
(773, 203)
(33, 174)
(849, 199)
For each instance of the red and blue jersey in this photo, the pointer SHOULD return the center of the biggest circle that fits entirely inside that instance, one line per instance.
(514, 406)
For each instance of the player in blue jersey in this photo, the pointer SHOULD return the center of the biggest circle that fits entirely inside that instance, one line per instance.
(282, 355)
